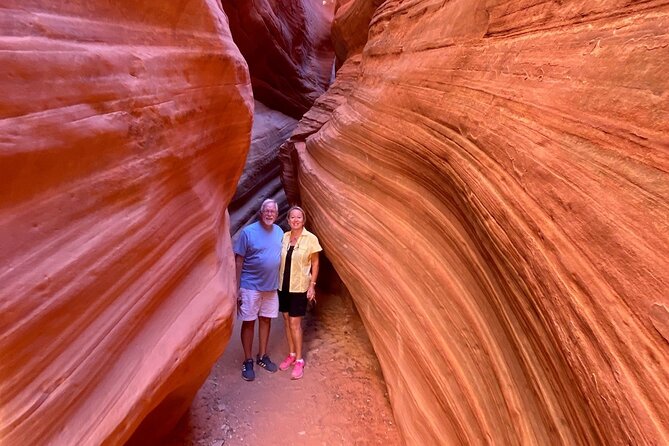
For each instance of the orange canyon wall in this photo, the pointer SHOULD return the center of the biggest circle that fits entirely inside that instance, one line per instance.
(124, 129)
(290, 57)
(491, 182)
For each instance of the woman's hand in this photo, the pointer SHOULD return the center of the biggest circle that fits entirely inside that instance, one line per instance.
(311, 292)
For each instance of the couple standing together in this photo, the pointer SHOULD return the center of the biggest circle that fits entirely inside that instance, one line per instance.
(266, 259)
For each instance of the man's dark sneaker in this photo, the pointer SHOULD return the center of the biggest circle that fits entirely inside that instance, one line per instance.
(266, 363)
(247, 370)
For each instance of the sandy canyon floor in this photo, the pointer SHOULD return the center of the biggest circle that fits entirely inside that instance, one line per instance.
(341, 400)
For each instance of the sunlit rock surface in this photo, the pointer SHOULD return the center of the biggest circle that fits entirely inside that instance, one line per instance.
(124, 129)
(493, 190)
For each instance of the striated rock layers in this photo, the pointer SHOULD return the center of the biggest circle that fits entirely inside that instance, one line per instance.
(350, 26)
(287, 46)
(125, 126)
(491, 182)
(260, 179)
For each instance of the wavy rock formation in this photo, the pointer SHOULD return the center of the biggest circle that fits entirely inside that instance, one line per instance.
(290, 56)
(312, 122)
(287, 47)
(350, 26)
(493, 187)
(260, 179)
(124, 126)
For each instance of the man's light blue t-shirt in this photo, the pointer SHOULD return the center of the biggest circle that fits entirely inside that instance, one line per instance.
(261, 249)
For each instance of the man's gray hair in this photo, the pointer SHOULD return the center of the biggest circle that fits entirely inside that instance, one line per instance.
(267, 202)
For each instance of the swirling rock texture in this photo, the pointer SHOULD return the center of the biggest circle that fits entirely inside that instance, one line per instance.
(260, 179)
(288, 49)
(290, 56)
(312, 122)
(493, 189)
(125, 126)
(350, 26)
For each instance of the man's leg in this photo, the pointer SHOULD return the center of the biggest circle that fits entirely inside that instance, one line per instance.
(248, 327)
(247, 313)
(269, 308)
(264, 325)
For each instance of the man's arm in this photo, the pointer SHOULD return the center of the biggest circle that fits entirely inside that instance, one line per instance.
(239, 262)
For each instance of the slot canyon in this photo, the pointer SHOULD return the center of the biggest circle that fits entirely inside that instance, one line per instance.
(489, 180)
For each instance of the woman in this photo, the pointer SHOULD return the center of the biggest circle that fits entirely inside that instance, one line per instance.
(297, 277)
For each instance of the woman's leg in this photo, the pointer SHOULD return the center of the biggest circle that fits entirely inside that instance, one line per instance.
(296, 332)
(289, 336)
(290, 359)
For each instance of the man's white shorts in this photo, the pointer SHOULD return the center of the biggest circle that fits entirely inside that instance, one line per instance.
(257, 303)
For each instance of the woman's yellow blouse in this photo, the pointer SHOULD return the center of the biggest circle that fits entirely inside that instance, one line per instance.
(300, 265)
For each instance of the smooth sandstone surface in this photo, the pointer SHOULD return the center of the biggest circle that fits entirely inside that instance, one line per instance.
(311, 122)
(290, 56)
(350, 26)
(125, 127)
(493, 188)
(260, 179)
(288, 49)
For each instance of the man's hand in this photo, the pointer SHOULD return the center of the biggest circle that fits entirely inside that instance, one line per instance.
(239, 262)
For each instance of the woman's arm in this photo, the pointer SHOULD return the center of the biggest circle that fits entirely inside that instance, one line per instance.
(311, 292)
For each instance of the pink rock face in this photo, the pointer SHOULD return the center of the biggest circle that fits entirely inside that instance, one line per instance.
(125, 126)
(493, 190)
(287, 46)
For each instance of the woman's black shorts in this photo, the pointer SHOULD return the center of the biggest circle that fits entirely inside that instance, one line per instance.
(295, 304)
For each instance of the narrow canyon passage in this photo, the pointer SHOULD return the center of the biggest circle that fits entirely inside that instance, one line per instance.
(489, 179)
(341, 400)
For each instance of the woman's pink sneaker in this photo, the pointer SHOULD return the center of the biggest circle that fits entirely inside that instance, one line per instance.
(287, 362)
(298, 370)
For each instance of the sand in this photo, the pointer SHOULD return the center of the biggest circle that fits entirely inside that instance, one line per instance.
(341, 400)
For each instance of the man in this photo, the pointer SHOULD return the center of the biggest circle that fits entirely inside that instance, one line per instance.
(257, 259)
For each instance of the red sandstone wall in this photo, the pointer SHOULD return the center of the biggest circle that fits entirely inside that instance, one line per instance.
(288, 49)
(490, 180)
(290, 56)
(125, 127)
(351, 26)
